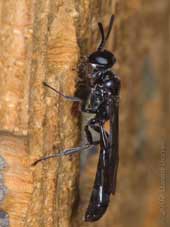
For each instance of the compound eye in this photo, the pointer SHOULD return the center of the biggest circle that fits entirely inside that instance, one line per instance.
(101, 60)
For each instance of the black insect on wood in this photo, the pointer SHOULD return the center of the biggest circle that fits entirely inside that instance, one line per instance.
(103, 101)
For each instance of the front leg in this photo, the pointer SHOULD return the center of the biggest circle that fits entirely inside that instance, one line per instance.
(69, 98)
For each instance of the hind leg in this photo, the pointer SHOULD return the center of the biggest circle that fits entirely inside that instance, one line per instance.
(89, 136)
(65, 152)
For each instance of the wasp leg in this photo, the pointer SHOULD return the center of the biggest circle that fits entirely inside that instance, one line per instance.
(104, 137)
(65, 152)
(92, 124)
(69, 98)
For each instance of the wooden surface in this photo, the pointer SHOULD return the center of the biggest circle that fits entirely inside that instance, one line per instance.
(38, 42)
(43, 40)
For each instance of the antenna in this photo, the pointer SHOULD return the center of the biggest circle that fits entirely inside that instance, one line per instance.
(110, 27)
(104, 39)
(102, 35)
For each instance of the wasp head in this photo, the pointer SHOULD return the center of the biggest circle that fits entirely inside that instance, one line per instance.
(102, 59)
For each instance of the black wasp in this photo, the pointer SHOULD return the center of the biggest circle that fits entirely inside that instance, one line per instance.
(103, 102)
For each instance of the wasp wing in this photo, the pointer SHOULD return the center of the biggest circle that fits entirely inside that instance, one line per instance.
(99, 199)
(114, 142)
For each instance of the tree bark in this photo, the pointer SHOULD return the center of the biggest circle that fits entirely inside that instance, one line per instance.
(43, 41)
(38, 43)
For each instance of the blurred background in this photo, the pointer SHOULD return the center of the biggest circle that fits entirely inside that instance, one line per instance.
(140, 41)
